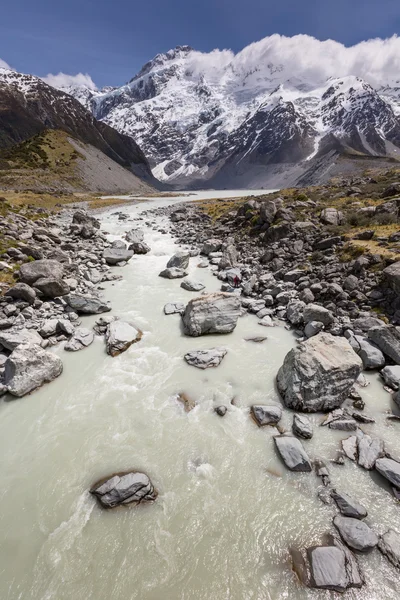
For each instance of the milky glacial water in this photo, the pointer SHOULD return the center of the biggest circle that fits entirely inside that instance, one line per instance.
(227, 509)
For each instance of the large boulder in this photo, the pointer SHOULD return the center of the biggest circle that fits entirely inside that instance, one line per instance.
(392, 276)
(229, 258)
(120, 335)
(211, 245)
(12, 338)
(391, 376)
(28, 367)
(204, 359)
(215, 313)
(356, 534)
(87, 305)
(268, 211)
(113, 256)
(122, 489)
(292, 453)
(172, 273)
(30, 272)
(314, 312)
(318, 374)
(180, 260)
(22, 291)
(81, 217)
(136, 239)
(387, 338)
(52, 287)
(331, 216)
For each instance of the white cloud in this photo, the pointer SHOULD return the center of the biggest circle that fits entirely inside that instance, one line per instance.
(62, 80)
(4, 65)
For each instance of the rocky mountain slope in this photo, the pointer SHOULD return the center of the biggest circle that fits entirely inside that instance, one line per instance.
(28, 107)
(252, 119)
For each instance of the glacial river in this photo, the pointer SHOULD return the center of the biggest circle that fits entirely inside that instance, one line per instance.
(227, 509)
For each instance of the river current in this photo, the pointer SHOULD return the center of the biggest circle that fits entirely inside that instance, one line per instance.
(227, 509)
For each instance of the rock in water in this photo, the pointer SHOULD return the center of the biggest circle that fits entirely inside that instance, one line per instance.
(123, 489)
(174, 307)
(82, 338)
(302, 427)
(328, 568)
(204, 359)
(347, 506)
(318, 374)
(390, 469)
(180, 260)
(172, 273)
(113, 256)
(215, 313)
(266, 415)
(28, 367)
(389, 545)
(356, 534)
(391, 376)
(292, 453)
(120, 335)
(89, 305)
(192, 286)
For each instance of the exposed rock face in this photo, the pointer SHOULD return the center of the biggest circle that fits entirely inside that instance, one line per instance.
(192, 286)
(388, 340)
(12, 338)
(22, 291)
(356, 534)
(29, 367)
(292, 453)
(389, 545)
(204, 359)
(82, 338)
(120, 335)
(52, 287)
(347, 506)
(89, 305)
(266, 415)
(215, 313)
(319, 374)
(390, 469)
(123, 489)
(32, 271)
(113, 256)
(180, 260)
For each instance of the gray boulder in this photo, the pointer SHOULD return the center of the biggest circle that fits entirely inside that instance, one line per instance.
(215, 313)
(123, 489)
(229, 258)
(390, 469)
(134, 236)
(180, 260)
(292, 453)
(88, 305)
(28, 367)
(212, 245)
(51, 287)
(192, 286)
(392, 276)
(302, 427)
(356, 534)
(22, 291)
(204, 359)
(113, 256)
(82, 338)
(32, 271)
(387, 338)
(369, 450)
(266, 415)
(314, 312)
(294, 312)
(331, 216)
(370, 354)
(347, 506)
(174, 307)
(12, 338)
(313, 328)
(173, 273)
(318, 374)
(120, 335)
(389, 545)
(391, 376)
(328, 568)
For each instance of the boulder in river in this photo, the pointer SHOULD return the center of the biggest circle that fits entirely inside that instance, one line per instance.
(89, 305)
(82, 338)
(347, 506)
(192, 286)
(292, 453)
(120, 335)
(122, 489)
(387, 338)
(389, 545)
(204, 359)
(29, 367)
(180, 260)
(302, 427)
(391, 376)
(334, 567)
(390, 469)
(266, 415)
(318, 374)
(30, 272)
(173, 308)
(113, 256)
(356, 534)
(214, 313)
(172, 273)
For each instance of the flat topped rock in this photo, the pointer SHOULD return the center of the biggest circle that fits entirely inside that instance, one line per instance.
(113, 256)
(192, 286)
(356, 534)
(213, 313)
(328, 568)
(131, 487)
(292, 453)
(173, 308)
(172, 273)
(347, 506)
(204, 359)
(12, 338)
(266, 415)
(120, 335)
(82, 338)
(180, 260)
(89, 305)
(29, 367)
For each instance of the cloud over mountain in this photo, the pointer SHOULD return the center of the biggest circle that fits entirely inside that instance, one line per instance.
(62, 80)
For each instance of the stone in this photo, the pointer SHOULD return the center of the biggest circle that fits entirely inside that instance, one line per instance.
(328, 243)
(387, 338)
(81, 217)
(347, 506)
(221, 411)
(100, 326)
(343, 424)
(302, 427)
(292, 453)
(48, 328)
(204, 359)
(313, 328)
(173, 308)
(318, 374)
(122, 489)
(51, 287)
(356, 534)
(314, 312)
(370, 354)
(229, 258)
(369, 450)
(391, 376)
(266, 415)
(180, 260)
(192, 286)
(389, 545)
(29, 367)
(328, 568)
(22, 291)
(30, 272)
(10, 339)
(390, 469)
(120, 335)
(214, 313)
(113, 256)
(173, 273)
(294, 312)
(82, 338)
(331, 216)
(268, 211)
(392, 276)
(350, 447)
(89, 305)
(212, 245)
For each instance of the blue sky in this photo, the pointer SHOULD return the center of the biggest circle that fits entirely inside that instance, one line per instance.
(112, 40)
